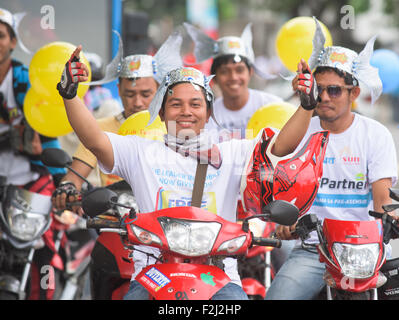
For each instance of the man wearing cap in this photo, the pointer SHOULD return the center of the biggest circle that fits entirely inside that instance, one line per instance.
(138, 82)
(233, 67)
(360, 162)
(161, 174)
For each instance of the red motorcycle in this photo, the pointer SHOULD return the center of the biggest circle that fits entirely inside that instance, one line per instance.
(107, 259)
(192, 242)
(111, 267)
(354, 254)
(72, 244)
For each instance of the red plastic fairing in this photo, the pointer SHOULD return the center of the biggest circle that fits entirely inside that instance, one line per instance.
(182, 281)
(113, 243)
(355, 233)
(253, 287)
(149, 222)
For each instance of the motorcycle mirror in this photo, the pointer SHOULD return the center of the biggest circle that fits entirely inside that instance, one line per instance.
(97, 201)
(54, 157)
(281, 212)
(390, 207)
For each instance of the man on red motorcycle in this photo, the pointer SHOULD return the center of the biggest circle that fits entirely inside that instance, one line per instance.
(359, 166)
(161, 174)
(138, 82)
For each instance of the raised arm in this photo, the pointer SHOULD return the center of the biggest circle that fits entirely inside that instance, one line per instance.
(294, 130)
(79, 116)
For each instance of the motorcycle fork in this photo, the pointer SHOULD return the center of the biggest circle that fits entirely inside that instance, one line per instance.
(268, 270)
(25, 275)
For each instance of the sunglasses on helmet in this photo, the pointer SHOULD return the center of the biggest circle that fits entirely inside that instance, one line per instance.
(333, 91)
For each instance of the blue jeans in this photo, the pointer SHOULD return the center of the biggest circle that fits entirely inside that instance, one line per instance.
(280, 255)
(230, 291)
(300, 277)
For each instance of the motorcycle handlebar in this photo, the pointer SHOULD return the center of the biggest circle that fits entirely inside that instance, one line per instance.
(267, 242)
(93, 223)
(389, 225)
(375, 214)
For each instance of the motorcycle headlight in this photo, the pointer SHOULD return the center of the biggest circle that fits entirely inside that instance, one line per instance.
(357, 261)
(25, 226)
(190, 238)
(27, 214)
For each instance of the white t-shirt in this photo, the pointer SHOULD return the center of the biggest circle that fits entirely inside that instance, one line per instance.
(237, 121)
(162, 178)
(15, 167)
(354, 159)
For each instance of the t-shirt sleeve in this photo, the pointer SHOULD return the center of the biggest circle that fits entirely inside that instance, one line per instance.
(382, 161)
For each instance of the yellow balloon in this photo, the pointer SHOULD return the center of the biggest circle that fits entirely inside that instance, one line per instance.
(273, 115)
(136, 124)
(46, 67)
(46, 117)
(295, 41)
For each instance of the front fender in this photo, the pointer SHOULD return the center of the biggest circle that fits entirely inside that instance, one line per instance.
(182, 281)
(9, 284)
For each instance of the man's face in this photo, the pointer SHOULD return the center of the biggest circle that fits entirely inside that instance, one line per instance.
(138, 97)
(233, 78)
(334, 107)
(6, 43)
(185, 111)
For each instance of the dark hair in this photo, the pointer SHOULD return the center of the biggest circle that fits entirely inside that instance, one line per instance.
(228, 58)
(348, 78)
(11, 32)
(132, 79)
(209, 104)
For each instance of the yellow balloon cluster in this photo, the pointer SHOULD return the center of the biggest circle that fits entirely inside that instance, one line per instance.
(46, 117)
(273, 115)
(294, 41)
(136, 124)
(43, 106)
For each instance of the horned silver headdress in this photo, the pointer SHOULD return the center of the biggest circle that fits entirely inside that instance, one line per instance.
(141, 65)
(206, 47)
(181, 74)
(358, 65)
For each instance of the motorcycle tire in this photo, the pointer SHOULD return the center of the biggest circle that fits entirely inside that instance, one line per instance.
(347, 295)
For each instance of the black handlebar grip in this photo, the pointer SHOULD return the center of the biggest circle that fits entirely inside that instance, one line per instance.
(375, 214)
(101, 223)
(267, 242)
